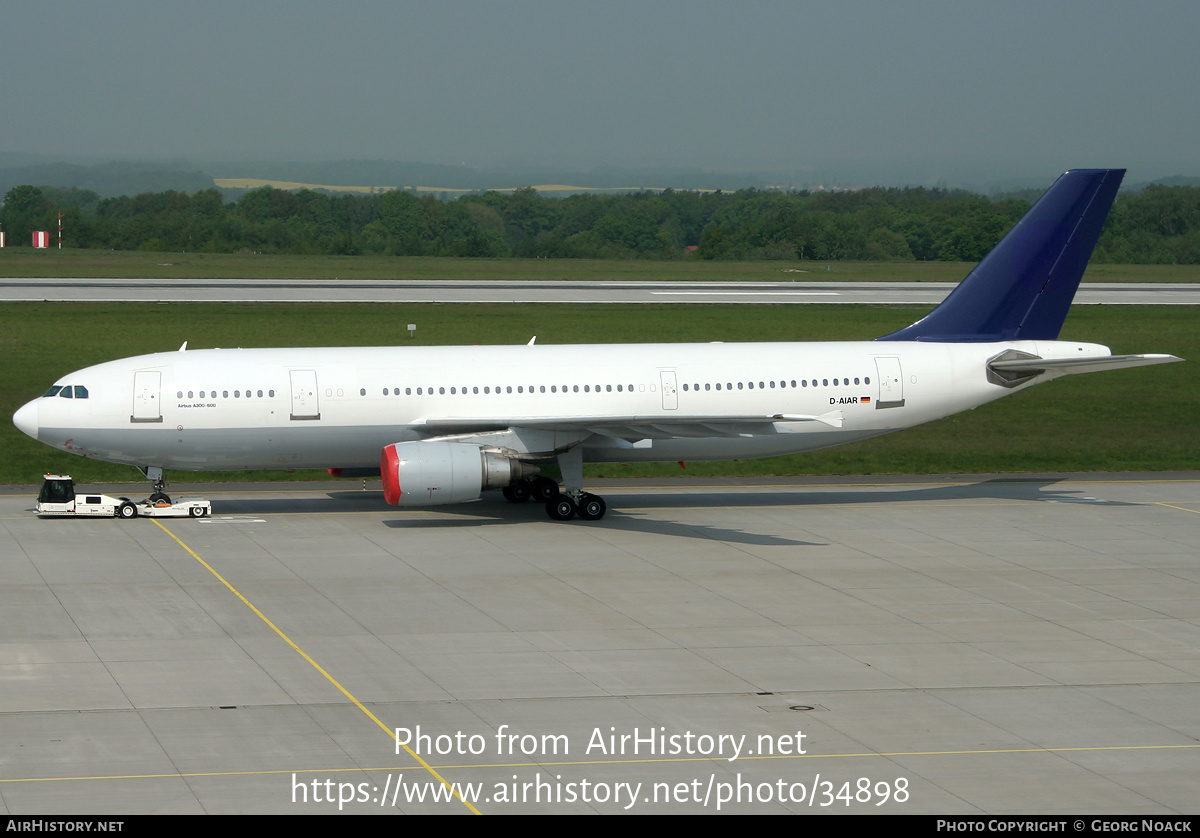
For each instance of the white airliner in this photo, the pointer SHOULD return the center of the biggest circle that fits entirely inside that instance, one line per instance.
(443, 424)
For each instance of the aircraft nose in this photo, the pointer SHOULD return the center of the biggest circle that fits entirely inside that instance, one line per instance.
(27, 419)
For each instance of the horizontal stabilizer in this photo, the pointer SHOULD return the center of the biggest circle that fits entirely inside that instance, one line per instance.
(1067, 366)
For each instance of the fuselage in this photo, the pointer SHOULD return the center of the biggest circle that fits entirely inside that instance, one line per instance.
(337, 407)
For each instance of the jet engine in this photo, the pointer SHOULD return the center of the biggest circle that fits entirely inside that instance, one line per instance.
(432, 473)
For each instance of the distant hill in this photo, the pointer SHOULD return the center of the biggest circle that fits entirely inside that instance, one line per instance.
(108, 180)
(382, 175)
(1175, 180)
(112, 179)
(235, 187)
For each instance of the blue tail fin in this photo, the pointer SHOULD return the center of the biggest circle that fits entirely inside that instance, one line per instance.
(1023, 288)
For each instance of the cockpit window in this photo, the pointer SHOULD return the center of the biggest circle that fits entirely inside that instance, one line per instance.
(70, 391)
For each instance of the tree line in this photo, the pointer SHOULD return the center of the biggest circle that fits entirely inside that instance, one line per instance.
(1158, 225)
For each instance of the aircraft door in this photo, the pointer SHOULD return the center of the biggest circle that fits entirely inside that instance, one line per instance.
(304, 395)
(891, 383)
(670, 389)
(147, 396)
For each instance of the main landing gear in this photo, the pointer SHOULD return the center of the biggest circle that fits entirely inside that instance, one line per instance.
(587, 506)
(565, 504)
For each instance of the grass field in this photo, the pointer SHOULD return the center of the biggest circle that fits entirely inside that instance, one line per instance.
(1126, 420)
(26, 262)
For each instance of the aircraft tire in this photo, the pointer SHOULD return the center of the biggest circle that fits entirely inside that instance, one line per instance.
(160, 497)
(592, 507)
(517, 492)
(561, 508)
(544, 489)
(127, 510)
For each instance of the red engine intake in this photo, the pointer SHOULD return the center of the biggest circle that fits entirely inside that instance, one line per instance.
(389, 470)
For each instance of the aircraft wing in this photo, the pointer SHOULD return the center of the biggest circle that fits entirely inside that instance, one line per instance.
(660, 426)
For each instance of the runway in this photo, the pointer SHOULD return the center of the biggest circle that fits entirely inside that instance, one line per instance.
(548, 291)
(949, 645)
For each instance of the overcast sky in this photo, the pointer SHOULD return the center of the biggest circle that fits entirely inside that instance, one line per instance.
(1016, 88)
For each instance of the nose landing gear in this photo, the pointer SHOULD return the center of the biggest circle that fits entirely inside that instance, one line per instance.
(155, 474)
